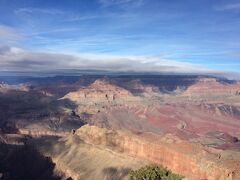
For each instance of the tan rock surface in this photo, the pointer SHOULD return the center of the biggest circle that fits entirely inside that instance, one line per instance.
(100, 90)
(191, 160)
(81, 160)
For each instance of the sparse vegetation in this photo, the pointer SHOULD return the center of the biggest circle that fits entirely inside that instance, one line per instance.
(153, 172)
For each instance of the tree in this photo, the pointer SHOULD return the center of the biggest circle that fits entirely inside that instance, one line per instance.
(153, 172)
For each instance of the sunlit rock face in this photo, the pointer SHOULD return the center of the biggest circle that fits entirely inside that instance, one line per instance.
(100, 90)
(191, 160)
(212, 85)
(186, 114)
(99, 96)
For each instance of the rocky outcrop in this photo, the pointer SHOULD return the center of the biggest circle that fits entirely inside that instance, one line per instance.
(99, 96)
(212, 86)
(100, 90)
(191, 160)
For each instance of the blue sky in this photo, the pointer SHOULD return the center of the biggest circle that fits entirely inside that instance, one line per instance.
(201, 34)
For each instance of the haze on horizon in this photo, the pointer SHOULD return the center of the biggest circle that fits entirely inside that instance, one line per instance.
(120, 36)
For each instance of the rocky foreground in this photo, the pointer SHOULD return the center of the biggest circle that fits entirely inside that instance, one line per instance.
(79, 154)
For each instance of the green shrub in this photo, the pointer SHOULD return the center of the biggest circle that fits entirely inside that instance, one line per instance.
(153, 172)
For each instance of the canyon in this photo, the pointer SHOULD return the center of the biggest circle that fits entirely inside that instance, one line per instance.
(167, 150)
(105, 126)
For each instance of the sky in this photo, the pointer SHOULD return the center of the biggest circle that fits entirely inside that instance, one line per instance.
(186, 36)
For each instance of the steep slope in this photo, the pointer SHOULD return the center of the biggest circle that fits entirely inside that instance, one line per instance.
(81, 160)
(34, 113)
(99, 96)
(100, 90)
(213, 86)
(99, 153)
(192, 160)
(24, 162)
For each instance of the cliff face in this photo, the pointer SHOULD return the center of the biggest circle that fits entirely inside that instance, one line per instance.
(100, 90)
(99, 95)
(191, 160)
(211, 85)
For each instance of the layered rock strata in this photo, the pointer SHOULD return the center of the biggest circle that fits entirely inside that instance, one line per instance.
(194, 161)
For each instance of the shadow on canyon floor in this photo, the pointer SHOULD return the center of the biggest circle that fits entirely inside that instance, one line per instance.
(26, 108)
(25, 162)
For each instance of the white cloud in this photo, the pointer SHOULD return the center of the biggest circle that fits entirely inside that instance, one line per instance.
(106, 3)
(31, 10)
(228, 7)
(16, 59)
(9, 34)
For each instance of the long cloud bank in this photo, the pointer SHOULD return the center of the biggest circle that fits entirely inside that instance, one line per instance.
(12, 58)
(16, 59)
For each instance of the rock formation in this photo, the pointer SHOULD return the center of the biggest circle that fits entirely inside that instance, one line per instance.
(191, 160)
(189, 125)
(100, 90)
(212, 86)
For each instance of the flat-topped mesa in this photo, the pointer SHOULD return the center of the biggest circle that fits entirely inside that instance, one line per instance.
(212, 85)
(100, 90)
(194, 161)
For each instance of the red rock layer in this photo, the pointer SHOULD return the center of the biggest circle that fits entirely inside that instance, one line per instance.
(191, 160)
(211, 85)
(99, 90)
